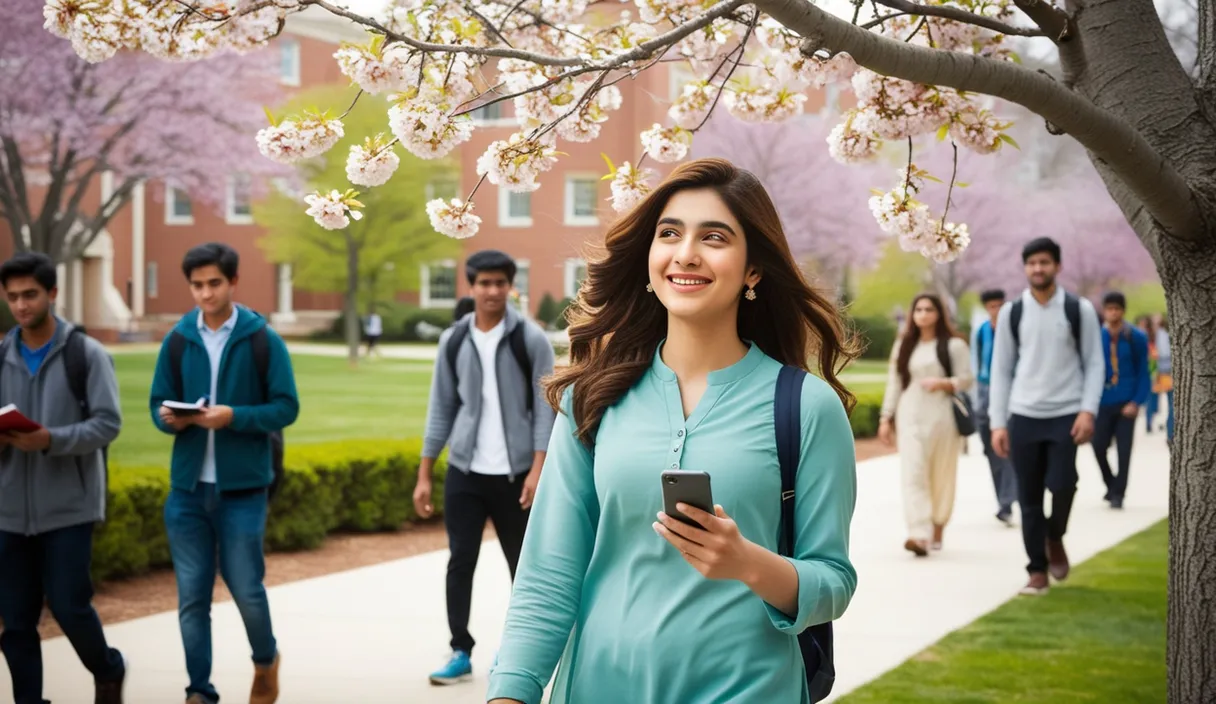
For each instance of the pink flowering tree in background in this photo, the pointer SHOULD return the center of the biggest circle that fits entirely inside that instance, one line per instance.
(824, 205)
(64, 122)
(1147, 122)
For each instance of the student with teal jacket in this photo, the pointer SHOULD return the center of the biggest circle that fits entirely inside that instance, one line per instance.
(676, 340)
(222, 466)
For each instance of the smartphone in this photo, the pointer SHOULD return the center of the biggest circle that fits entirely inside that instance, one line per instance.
(692, 488)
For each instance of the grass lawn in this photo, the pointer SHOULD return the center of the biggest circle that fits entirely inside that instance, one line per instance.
(1100, 638)
(380, 399)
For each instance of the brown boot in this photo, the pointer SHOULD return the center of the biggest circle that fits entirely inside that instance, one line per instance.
(1057, 560)
(937, 537)
(1037, 585)
(916, 547)
(265, 683)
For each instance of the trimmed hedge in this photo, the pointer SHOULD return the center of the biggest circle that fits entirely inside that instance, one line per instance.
(354, 485)
(864, 418)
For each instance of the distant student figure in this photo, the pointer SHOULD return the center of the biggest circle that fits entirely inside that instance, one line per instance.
(983, 340)
(1046, 385)
(373, 328)
(1126, 390)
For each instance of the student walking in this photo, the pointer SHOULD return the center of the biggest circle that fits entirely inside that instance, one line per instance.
(223, 463)
(488, 407)
(983, 339)
(1163, 377)
(1127, 388)
(1046, 385)
(373, 328)
(929, 365)
(677, 339)
(54, 482)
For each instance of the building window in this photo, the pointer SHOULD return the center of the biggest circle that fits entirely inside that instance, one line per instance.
(576, 271)
(289, 61)
(523, 271)
(239, 210)
(581, 193)
(152, 280)
(439, 285)
(445, 188)
(514, 209)
(178, 208)
(487, 113)
(677, 78)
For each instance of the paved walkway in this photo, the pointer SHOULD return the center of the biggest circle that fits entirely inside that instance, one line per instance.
(370, 636)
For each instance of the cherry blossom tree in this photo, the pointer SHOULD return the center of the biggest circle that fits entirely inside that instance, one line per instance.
(1147, 122)
(64, 122)
(823, 204)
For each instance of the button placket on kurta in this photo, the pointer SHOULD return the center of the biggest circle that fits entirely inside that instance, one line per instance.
(681, 429)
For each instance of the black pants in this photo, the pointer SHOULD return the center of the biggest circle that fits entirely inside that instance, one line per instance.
(1111, 424)
(468, 500)
(1044, 456)
(55, 565)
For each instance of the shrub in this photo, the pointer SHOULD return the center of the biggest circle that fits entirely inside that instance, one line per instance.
(548, 310)
(864, 418)
(561, 323)
(879, 334)
(399, 320)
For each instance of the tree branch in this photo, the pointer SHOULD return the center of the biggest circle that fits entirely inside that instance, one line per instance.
(1054, 22)
(1155, 181)
(959, 15)
(1206, 81)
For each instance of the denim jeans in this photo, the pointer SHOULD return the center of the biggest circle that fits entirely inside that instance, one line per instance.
(54, 564)
(203, 525)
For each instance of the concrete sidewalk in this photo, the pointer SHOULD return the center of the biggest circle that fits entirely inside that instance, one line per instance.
(370, 636)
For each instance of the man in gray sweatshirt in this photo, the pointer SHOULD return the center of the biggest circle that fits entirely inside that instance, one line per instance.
(1048, 370)
(488, 407)
(52, 481)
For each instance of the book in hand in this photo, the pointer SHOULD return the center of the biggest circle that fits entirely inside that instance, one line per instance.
(14, 421)
(181, 408)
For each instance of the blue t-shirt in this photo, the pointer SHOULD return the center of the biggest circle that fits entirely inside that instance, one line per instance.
(34, 358)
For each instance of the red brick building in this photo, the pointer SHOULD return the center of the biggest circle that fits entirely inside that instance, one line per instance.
(129, 280)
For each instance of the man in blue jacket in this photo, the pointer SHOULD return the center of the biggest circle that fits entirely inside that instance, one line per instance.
(222, 462)
(1127, 388)
(983, 340)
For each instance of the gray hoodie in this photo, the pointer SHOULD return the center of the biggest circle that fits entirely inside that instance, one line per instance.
(64, 485)
(454, 410)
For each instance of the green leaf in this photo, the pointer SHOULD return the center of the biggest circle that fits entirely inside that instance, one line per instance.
(563, 99)
(929, 177)
(270, 116)
(943, 131)
(1009, 140)
(961, 184)
(611, 168)
(1015, 57)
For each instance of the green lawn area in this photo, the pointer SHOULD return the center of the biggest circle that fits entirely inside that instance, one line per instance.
(381, 399)
(1099, 638)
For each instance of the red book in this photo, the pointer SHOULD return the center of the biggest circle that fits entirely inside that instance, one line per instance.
(12, 420)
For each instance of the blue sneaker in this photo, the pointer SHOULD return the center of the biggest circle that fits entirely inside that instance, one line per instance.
(458, 669)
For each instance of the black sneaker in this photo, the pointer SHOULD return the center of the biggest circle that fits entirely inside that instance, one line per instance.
(1116, 502)
(110, 692)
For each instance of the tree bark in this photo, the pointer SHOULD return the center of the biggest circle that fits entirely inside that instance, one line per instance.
(351, 298)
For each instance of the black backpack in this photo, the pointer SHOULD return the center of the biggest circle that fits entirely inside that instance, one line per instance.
(519, 349)
(76, 366)
(815, 642)
(259, 343)
(1072, 311)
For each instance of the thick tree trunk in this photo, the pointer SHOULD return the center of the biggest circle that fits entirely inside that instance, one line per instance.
(1190, 287)
(351, 299)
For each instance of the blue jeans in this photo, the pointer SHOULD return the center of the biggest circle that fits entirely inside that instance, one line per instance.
(201, 526)
(54, 565)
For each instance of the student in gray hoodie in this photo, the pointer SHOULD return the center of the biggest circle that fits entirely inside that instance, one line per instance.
(488, 407)
(52, 481)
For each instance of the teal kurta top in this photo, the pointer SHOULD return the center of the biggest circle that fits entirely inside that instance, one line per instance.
(628, 617)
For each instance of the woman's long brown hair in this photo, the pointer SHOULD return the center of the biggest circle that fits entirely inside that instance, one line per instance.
(616, 325)
(944, 331)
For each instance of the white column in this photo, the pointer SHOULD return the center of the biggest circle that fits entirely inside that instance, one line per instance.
(61, 302)
(76, 289)
(138, 255)
(286, 312)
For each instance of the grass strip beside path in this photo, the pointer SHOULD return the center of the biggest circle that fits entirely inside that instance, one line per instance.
(1099, 637)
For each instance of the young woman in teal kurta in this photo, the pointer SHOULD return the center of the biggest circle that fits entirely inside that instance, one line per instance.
(632, 609)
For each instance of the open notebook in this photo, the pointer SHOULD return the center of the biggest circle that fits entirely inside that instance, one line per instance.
(181, 408)
(13, 420)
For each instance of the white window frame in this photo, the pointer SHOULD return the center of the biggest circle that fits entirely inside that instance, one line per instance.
(231, 217)
(570, 285)
(504, 211)
(292, 45)
(424, 295)
(523, 266)
(152, 279)
(502, 120)
(172, 218)
(430, 189)
(568, 208)
(677, 77)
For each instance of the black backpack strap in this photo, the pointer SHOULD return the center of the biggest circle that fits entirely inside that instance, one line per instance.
(1015, 322)
(787, 422)
(76, 364)
(259, 345)
(1072, 311)
(459, 332)
(519, 348)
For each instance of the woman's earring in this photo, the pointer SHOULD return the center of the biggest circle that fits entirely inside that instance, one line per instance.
(649, 288)
(750, 294)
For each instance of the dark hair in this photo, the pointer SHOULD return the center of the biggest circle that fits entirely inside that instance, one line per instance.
(1114, 298)
(616, 325)
(992, 294)
(463, 307)
(33, 264)
(220, 255)
(1041, 245)
(907, 345)
(488, 260)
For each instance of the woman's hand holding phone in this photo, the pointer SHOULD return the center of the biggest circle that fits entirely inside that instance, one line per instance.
(717, 550)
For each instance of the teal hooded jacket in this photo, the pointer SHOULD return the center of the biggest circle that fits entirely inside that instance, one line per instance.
(242, 450)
